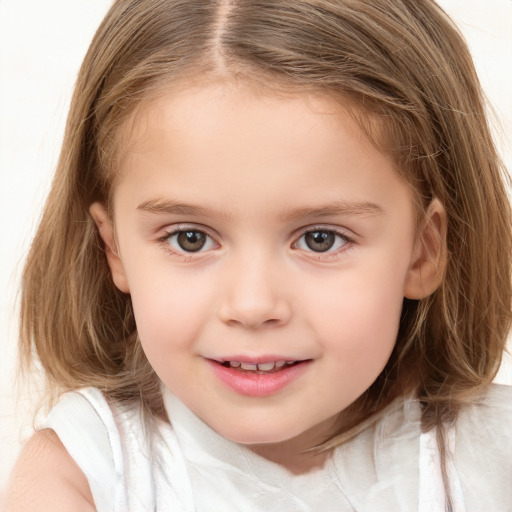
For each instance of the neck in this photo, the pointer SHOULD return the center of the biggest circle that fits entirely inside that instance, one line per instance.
(296, 454)
(295, 462)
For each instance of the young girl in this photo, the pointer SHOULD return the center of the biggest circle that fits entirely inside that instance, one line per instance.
(273, 272)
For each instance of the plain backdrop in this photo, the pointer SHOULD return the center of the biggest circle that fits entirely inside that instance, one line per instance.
(42, 43)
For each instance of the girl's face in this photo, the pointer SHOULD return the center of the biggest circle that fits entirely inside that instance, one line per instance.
(267, 247)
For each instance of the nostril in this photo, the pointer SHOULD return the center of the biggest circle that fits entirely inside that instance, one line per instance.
(253, 310)
(254, 322)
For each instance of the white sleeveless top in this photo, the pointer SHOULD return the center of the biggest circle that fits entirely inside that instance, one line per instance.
(389, 467)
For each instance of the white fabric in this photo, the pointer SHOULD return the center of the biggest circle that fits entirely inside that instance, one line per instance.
(432, 496)
(389, 467)
(79, 423)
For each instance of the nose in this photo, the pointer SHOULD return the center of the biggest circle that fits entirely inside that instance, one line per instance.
(254, 295)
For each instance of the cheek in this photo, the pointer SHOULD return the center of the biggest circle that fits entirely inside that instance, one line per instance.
(358, 315)
(359, 334)
(170, 312)
(362, 321)
(169, 307)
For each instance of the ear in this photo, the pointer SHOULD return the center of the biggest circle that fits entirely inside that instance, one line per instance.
(428, 260)
(106, 229)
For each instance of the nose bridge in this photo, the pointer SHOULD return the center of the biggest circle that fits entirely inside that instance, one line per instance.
(253, 293)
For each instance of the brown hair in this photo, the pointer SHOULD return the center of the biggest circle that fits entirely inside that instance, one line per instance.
(401, 62)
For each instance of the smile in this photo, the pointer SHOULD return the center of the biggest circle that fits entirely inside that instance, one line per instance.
(259, 379)
(258, 367)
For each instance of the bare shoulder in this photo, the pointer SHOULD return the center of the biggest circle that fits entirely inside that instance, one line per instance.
(46, 478)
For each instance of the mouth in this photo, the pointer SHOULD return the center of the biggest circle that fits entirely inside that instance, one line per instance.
(259, 368)
(267, 377)
(259, 379)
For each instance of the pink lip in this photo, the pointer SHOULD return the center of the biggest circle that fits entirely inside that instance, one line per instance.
(267, 358)
(258, 384)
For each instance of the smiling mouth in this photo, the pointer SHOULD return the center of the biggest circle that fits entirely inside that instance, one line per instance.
(270, 367)
(259, 379)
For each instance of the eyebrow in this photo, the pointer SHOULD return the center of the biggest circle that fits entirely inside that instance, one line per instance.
(338, 208)
(177, 208)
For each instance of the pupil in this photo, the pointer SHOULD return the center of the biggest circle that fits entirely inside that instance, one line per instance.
(191, 241)
(320, 241)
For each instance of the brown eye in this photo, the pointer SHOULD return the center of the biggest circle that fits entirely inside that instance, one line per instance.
(188, 240)
(320, 241)
(191, 241)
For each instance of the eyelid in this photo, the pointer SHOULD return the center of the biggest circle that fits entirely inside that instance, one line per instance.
(342, 231)
(347, 235)
(185, 226)
(166, 233)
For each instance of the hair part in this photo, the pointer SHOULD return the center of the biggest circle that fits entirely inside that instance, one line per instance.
(405, 72)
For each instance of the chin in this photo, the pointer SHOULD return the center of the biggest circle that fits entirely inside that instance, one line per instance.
(257, 434)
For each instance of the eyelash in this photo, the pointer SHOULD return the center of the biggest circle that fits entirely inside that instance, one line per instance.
(347, 241)
(329, 254)
(165, 240)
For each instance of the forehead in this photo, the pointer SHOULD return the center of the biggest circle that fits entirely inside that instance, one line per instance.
(235, 149)
(191, 115)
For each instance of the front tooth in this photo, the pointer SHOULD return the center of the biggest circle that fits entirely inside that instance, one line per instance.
(266, 366)
(248, 366)
(280, 364)
(234, 364)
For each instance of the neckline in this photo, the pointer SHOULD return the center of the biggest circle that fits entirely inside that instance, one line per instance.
(198, 439)
(376, 470)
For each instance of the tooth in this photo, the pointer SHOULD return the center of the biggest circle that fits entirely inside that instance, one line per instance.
(280, 364)
(234, 364)
(248, 366)
(266, 366)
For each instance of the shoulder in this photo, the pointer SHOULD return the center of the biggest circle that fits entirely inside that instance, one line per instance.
(489, 413)
(483, 443)
(47, 478)
(76, 451)
(488, 422)
(105, 456)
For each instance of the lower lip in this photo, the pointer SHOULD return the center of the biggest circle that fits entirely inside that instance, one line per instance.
(258, 384)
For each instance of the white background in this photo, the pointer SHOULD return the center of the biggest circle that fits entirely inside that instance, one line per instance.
(42, 43)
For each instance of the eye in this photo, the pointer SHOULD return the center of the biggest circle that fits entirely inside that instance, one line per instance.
(321, 240)
(189, 240)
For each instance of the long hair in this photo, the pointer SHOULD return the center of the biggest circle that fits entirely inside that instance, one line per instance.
(406, 71)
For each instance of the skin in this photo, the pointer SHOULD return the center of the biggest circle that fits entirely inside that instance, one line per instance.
(46, 478)
(255, 173)
(261, 171)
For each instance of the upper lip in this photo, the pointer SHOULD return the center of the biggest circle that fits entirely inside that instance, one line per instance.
(261, 359)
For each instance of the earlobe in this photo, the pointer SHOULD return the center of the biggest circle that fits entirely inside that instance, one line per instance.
(106, 229)
(428, 260)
